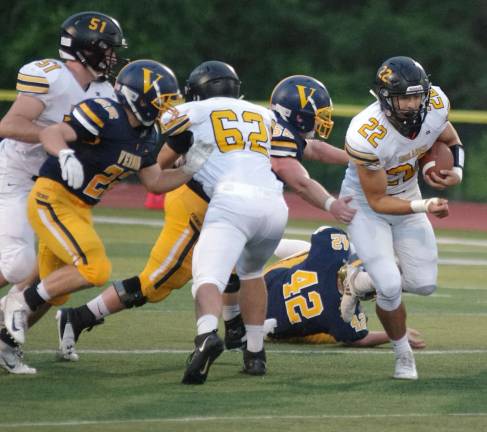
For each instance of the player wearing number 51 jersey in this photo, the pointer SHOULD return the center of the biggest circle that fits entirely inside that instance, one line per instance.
(47, 91)
(102, 142)
(384, 143)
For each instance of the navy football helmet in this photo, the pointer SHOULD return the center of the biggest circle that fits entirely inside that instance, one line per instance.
(403, 76)
(91, 38)
(148, 89)
(211, 79)
(305, 103)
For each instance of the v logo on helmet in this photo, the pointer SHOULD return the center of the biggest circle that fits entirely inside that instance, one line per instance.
(148, 81)
(304, 98)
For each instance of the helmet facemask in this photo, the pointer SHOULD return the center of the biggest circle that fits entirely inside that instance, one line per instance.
(323, 122)
(408, 122)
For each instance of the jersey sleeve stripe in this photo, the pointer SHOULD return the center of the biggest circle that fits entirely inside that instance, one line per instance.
(366, 157)
(282, 153)
(78, 115)
(32, 79)
(40, 89)
(86, 109)
(288, 144)
(176, 126)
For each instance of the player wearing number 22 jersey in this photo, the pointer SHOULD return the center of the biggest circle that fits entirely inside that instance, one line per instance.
(303, 296)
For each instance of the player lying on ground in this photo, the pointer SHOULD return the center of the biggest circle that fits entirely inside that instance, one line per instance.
(304, 292)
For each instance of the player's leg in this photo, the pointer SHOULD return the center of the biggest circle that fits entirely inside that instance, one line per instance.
(168, 266)
(416, 250)
(373, 240)
(64, 225)
(215, 255)
(17, 243)
(273, 215)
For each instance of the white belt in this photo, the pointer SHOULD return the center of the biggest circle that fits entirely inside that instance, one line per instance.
(246, 190)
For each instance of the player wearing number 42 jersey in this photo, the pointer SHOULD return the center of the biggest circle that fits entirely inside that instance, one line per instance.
(384, 143)
(102, 142)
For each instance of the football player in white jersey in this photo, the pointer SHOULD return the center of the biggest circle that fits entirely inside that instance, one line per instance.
(384, 142)
(246, 215)
(47, 91)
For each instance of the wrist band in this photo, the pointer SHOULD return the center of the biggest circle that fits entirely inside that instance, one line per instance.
(328, 202)
(421, 206)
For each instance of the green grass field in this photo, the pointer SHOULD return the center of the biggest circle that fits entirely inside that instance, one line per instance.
(128, 377)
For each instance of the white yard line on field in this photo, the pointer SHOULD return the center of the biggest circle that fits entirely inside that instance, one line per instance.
(269, 351)
(304, 231)
(233, 419)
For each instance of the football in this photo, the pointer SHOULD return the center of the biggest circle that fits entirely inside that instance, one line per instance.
(438, 157)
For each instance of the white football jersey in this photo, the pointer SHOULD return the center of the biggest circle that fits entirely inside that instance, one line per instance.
(241, 134)
(372, 141)
(54, 85)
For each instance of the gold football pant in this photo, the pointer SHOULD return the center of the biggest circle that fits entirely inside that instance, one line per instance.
(169, 264)
(64, 226)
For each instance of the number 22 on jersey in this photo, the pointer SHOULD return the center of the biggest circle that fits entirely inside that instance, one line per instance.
(229, 131)
(298, 305)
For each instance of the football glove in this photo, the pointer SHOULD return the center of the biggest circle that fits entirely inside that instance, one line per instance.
(71, 168)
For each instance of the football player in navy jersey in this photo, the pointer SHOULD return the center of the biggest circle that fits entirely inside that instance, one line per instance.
(303, 109)
(101, 143)
(304, 292)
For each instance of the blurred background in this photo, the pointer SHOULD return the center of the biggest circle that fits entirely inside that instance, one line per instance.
(340, 42)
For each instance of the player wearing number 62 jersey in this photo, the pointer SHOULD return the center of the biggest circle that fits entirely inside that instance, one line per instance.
(384, 143)
(102, 142)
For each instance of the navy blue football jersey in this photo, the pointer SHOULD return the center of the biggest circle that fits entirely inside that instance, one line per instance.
(286, 141)
(303, 295)
(107, 146)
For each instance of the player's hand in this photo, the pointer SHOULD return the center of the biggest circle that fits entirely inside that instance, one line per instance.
(415, 339)
(196, 156)
(71, 168)
(342, 211)
(439, 207)
(447, 179)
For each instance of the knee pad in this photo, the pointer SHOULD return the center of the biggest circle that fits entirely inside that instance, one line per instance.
(233, 284)
(130, 292)
(98, 274)
(424, 290)
(18, 265)
(389, 293)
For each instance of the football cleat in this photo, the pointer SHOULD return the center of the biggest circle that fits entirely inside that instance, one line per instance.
(66, 335)
(348, 305)
(235, 334)
(405, 367)
(15, 313)
(208, 346)
(11, 359)
(254, 363)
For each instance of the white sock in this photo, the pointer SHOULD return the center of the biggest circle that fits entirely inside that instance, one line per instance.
(255, 337)
(230, 312)
(98, 307)
(401, 346)
(207, 323)
(41, 290)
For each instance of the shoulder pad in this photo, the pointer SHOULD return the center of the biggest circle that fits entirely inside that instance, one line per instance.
(438, 100)
(92, 114)
(38, 76)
